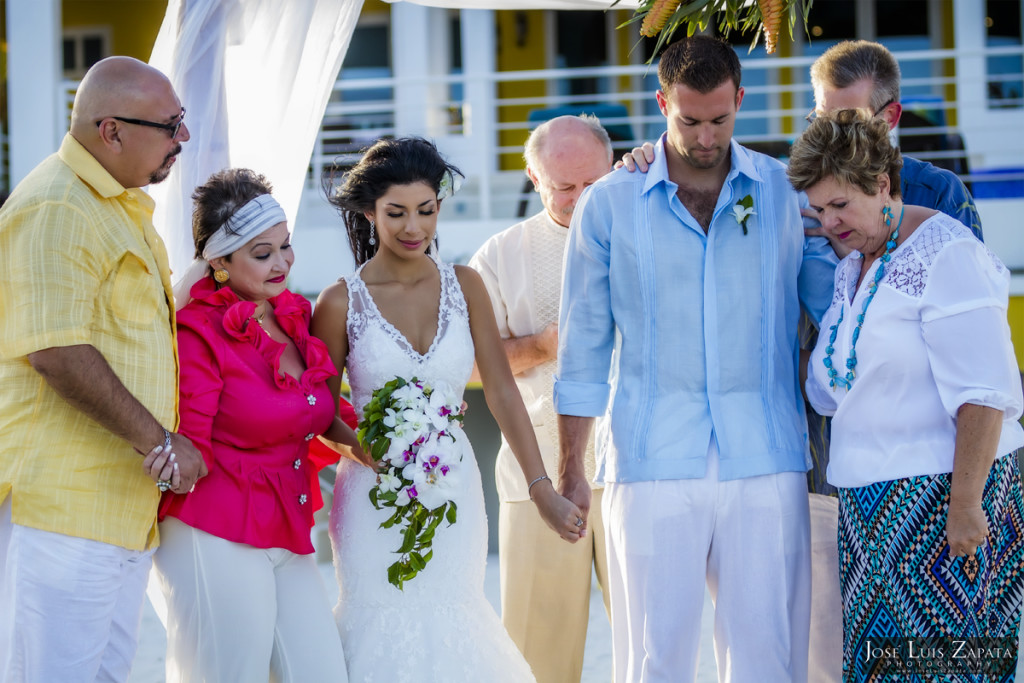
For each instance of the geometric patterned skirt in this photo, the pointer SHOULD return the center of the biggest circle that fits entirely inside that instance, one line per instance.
(899, 582)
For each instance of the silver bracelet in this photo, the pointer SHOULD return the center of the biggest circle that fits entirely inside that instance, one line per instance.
(167, 441)
(538, 479)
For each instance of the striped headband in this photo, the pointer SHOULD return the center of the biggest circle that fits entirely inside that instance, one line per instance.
(254, 217)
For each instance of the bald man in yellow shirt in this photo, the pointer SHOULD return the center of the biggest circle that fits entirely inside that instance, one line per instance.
(88, 383)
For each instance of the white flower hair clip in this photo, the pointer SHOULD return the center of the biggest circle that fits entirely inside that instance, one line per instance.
(450, 184)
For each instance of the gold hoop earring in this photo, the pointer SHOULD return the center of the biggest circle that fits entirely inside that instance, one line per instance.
(221, 275)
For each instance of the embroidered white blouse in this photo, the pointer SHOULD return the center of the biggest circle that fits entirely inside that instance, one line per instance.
(934, 338)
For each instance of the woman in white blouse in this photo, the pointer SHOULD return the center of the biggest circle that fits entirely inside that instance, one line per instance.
(915, 364)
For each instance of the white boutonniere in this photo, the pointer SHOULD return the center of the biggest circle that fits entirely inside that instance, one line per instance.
(743, 210)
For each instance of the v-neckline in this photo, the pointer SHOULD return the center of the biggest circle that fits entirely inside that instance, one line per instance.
(397, 332)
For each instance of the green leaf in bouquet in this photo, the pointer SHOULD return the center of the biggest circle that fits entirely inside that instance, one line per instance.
(395, 575)
(380, 448)
(408, 539)
(450, 516)
(436, 518)
(392, 520)
(416, 561)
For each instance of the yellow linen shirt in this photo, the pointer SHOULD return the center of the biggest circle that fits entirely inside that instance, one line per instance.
(80, 263)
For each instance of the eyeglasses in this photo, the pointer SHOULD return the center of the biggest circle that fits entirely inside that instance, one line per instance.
(813, 114)
(171, 128)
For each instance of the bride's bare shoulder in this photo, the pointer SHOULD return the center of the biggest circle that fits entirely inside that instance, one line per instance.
(334, 298)
(469, 278)
(473, 289)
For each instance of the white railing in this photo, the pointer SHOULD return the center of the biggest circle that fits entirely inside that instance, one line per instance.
(486, 140)
(772, 115)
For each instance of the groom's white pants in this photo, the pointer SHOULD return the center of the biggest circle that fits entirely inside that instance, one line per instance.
(749, 539)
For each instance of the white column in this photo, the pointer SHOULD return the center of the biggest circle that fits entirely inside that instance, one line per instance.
(971, 81)
(410, 58)
(478, 65)
(34, 109)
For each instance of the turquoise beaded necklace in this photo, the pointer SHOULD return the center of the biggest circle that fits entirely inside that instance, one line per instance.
(851, 362)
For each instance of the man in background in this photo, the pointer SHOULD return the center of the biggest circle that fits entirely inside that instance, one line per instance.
(545, 582)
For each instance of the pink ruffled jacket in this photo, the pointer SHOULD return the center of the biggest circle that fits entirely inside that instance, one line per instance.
(252, 424)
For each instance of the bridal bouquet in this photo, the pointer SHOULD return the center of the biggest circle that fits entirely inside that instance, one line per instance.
(413, 430)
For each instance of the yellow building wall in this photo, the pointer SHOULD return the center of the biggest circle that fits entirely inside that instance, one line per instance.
(375, 7)
(948, 40)
(1016, 318)
(520, 47)
(627, 42)
(133, 24)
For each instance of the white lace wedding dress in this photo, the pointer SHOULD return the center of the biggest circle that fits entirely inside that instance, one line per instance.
(441, 628)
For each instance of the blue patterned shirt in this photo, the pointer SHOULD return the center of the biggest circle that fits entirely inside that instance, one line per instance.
(924, 184)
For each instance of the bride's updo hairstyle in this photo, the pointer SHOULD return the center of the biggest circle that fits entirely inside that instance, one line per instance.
(849, 145)
(398, 161)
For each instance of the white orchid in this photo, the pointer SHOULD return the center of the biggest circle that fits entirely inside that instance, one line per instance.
(450, 184)
(387, 481)
(434, 488)
(405, 496)
(743, 210)
(399, 453)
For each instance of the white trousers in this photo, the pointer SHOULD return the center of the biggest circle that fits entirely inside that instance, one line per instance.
(70, 608)
(825, 664)
(239, 613)
(748, 539)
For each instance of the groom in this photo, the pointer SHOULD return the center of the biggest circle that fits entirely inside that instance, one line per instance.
(681, 309)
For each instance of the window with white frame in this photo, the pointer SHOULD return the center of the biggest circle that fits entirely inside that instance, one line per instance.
(82, 48)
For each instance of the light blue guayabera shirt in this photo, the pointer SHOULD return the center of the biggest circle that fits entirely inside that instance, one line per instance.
(690, 334)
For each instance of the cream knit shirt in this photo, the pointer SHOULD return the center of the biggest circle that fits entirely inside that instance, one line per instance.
(522, 269)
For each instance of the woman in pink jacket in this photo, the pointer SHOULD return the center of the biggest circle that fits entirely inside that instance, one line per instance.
(245, 598)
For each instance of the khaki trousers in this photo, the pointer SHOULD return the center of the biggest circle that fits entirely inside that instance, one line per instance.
(545, 588)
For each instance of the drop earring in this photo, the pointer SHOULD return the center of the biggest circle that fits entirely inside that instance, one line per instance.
(373, 238)
(887, 215)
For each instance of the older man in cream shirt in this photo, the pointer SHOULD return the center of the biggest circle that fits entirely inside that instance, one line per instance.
(545, 582)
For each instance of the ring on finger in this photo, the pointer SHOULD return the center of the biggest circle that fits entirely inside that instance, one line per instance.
(579, 522)
(163, 485)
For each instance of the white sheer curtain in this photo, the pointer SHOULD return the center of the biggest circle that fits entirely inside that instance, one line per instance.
(525, 4)
(265, 66)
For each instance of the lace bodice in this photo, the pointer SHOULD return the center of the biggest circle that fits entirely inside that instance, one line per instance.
(378, 352)
(440, 628)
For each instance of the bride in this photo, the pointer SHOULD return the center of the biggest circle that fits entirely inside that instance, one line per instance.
(404, 313)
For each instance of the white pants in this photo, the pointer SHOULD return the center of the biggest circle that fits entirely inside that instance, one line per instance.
(239, 613)
(70, 608)
(825, 653)
(748, 539)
